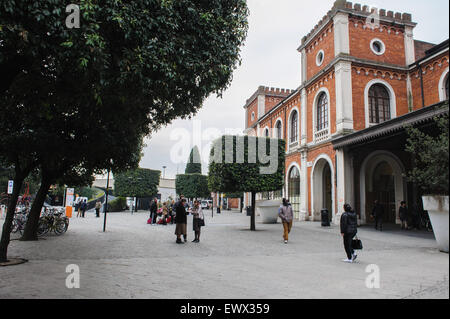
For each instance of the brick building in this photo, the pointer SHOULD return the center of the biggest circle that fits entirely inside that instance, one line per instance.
(363, 77)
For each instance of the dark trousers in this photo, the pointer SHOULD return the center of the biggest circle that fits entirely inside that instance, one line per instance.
(348, 244)
(83, 212)
(379, 223)
(153, 217)
(97, 212)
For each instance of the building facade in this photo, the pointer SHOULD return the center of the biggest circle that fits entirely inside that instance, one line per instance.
(361, 70)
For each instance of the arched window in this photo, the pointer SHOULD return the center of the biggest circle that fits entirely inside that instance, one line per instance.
(294, 190)
(379, 104)
(294, 127)
(446, 88)
(279, 128)
(322, 112)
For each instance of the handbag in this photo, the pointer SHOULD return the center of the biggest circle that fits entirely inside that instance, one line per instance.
(201, 222)
(357, 244)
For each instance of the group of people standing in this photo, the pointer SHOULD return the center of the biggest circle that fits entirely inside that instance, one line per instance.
(178, 212)
(81, 208)
(163, 215)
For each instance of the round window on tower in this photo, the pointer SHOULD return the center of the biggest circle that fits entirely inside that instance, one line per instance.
(320, 57)
(377, 46)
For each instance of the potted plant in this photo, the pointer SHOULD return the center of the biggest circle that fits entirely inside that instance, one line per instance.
(268, 210)
(431, 174)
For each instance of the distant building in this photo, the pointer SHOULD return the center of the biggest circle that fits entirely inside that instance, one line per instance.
(166, 189)
(362, 82)
(101, 181)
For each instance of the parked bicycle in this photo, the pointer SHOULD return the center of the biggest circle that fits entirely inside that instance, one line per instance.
(19, 221)
(52, 219)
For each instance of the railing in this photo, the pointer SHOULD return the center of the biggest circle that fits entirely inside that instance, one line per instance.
(321, 135)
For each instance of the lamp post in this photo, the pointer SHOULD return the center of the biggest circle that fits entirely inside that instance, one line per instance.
(164, 171)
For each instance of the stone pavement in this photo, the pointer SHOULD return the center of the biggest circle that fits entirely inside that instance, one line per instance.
(136, 260)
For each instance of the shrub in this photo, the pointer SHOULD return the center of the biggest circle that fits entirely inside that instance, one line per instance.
(117, 205)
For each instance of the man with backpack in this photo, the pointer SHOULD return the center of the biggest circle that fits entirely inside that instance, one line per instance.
(287, 217)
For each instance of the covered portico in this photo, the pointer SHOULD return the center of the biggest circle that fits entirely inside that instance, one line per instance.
(377, 164)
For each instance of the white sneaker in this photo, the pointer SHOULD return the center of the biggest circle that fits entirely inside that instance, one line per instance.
(285, 241)
(354, 256)
(347, 261)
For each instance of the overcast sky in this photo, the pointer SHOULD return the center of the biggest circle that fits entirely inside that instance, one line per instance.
(270, 58)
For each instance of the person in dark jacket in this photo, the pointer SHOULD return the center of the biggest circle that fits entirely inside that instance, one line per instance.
(181, 221)
(154, 210)
(378, 214)
(403, 212)
(349, 229)
(83, 208)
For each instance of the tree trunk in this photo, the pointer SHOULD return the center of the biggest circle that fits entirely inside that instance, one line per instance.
(253, 218)
(30, 231)
(7, 225)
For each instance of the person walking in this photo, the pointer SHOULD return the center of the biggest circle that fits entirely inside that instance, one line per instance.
(287, 217)
(378, 214)
(181, 221)
(78, 208)
(349, 229)
(83, 208)
(153, 210)
(198, 220)
(98, 205)
(403, 212)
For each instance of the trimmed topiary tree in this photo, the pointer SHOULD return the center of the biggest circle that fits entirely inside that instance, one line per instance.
(194, 164)
(193, 184)
(247, 164)
(137, 183)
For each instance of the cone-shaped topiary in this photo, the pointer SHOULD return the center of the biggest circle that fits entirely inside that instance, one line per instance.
(194, 165)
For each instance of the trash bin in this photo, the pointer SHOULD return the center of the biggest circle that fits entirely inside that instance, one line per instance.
(325, 218)
(249, 210)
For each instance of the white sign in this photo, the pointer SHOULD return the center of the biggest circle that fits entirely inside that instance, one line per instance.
(70, 196)
(309, 164)
(10, 187)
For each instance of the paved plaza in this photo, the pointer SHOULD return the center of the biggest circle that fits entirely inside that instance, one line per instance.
(136, 260)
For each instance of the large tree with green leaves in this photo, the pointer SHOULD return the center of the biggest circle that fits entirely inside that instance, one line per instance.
(431, 153)
(247, 164)
(130, 68)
